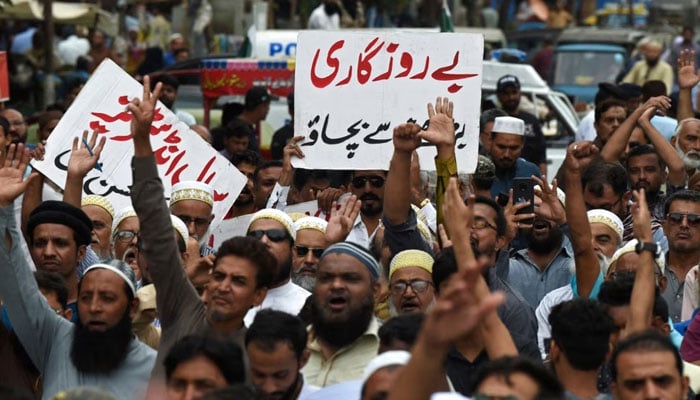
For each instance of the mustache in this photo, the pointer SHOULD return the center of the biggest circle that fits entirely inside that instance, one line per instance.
(369, 196)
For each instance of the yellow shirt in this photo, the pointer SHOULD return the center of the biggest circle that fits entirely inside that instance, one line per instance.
(347, 364)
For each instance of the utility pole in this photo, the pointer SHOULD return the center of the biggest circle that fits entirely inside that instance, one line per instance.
(48, 26)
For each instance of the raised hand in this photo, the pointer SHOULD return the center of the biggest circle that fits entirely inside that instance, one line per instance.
(641, 218)
(687, 76)
(85, 154)
(342, 219)
(12, 183)
(458, 216)
(550, 207)
(661, 103)
(579, 156)
(406, 138)
(441, 131)
(460, 309)
(513, 219)
(327, 198)
(143, 110)
(39, 151)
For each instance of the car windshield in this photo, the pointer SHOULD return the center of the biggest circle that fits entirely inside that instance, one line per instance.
(586, 68)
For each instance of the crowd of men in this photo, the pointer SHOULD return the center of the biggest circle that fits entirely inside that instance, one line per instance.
(587, 290)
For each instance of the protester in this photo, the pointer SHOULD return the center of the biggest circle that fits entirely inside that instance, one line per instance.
(309, 245)
(101, 350)
(276, 346)
(196, 365)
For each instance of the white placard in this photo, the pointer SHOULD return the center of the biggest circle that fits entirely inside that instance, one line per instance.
(238, 226)
(353, 88)
(180, 153)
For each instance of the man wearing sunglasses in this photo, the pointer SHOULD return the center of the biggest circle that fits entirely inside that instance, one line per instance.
(682, 228)
(310, 243)
(275, 229)
(368, 186)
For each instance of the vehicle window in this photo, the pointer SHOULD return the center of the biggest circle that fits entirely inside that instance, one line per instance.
(587, 68)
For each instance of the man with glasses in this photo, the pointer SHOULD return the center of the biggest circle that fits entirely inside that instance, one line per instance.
(368, 186)
(411, 282)
(18, 126)
(125, 235)
(192, 202)
(275, 229)
(308, 247)
(682, 228)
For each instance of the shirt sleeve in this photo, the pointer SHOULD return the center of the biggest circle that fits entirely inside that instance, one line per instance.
(176, 297)
(35, 323)
(445, 169)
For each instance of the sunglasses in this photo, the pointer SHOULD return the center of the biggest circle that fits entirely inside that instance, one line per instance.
(125, 236)
(302, 251)
(275, 235)
(198, 222)
(418, 286)
(677, 218)
(360, 181)
(480, 223)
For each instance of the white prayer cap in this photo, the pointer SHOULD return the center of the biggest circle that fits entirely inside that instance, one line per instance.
(180, 228)
(315, 223)
(123, 214)
(388, 358)
(630, 247)
(99, 201)
(276, 215)
(126, 274)
(560, 195)
(510, 125)
(607, 218)
(192, 190)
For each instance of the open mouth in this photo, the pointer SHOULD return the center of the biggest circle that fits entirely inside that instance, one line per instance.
(410, 306)
(97, 326)
(337, 303)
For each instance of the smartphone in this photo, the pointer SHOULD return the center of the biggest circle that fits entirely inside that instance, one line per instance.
(524, 191)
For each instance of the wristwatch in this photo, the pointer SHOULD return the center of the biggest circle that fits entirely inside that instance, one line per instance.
(644, 246)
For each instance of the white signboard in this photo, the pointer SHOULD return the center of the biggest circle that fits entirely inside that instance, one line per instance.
(238, 226)
(353, 88)
(180, 153)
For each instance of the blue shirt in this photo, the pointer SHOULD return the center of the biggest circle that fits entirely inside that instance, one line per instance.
(534, 283)
(504, 180)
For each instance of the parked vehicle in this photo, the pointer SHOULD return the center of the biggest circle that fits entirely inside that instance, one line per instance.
(562, 121)
(584, 57)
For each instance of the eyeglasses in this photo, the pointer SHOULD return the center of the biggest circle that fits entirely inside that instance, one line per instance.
(125, 236)
(418, 286)
(360, 181)
(677, 218)
(480, 223)
(606, 207)
(275, 235)
(198, 222)
(302, 251)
